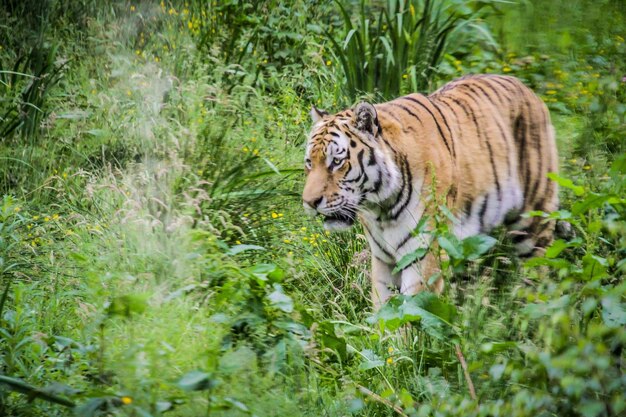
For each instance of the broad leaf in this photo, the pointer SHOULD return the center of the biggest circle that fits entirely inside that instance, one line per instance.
(409, 258)
(196, 381)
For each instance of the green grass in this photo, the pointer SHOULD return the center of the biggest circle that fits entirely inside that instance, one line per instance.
(155, 260)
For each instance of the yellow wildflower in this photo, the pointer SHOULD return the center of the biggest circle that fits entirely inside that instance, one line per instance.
(126, 400)
(390, 349)
(132, 8)
(506, 69)
(46, 219)
(35, 217)
(389, 361)
(287, 241)
(55, 216)
(328, 63)
(17, 209)
(274, 215)
(551, 92)
(238, 242)
(587, 167)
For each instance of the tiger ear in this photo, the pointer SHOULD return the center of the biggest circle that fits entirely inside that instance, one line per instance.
(365, 118)
(317, 114)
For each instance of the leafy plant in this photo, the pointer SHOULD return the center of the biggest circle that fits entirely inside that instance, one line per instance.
(401, 49)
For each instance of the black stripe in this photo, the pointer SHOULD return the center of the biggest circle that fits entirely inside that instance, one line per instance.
(482, 92)
(540, 177)
(406, 109)
(526, 161)
(483, 210)
(496, 91)
(393, 116)
(467, 207)
(359, 158)
(507, 88)
(405, 240)
(480, 134)
(445, 122)
(445, 141)
(497, 121)
(382, 248)
(404, 197)
(520, 134)
(372, 159)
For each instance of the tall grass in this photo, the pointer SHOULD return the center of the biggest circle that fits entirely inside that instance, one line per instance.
(401, 48)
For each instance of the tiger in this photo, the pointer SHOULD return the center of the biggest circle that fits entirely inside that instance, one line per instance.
(483, 144)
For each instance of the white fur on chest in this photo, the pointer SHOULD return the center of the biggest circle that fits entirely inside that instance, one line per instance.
(391, 240)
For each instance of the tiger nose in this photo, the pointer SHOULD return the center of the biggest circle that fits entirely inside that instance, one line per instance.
(314, 202)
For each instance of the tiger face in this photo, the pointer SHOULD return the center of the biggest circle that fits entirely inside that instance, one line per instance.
(347, 168)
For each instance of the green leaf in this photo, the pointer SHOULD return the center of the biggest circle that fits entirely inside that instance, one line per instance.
(477, 245)
(613, 312)
(497, 347)
(409, 258)
(241, 359)
(196, 381)
(78, 257)
(560, 245)
(594, 267)
(592, 201)
(619, 165)
(280, 300)
(537, 310)
(326, 336)
(567, 183)
(126, 305)
(371, 360)
(452, 246)
(233, 403)
(426, 309)
(243, 248)
(591, 408)
(266, 272)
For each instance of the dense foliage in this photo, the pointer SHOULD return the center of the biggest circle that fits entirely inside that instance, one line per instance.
(154, 259)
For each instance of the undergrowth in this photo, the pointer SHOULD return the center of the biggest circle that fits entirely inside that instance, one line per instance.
(154, 257)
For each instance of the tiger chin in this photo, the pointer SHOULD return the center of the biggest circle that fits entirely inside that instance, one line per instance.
(483, 144)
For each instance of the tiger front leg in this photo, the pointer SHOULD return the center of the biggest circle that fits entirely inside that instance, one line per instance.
(382, 280)
(415, 278)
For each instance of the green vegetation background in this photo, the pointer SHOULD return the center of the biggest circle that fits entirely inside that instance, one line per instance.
(154, 258)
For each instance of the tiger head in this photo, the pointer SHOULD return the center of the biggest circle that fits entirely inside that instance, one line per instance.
(348, 167)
